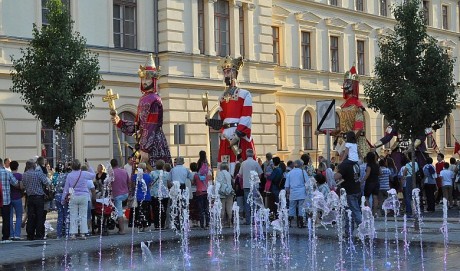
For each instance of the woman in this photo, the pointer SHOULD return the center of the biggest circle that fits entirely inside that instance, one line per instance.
(226, 192)
(201, 180)
(16, 203)
(409, 184)
(77, 186)
(141, 213)
(296, 181)
(158, 190)
(371, 181)
(430, 184)
(61, 208)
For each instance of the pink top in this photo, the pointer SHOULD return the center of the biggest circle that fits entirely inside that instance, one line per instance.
(201, 186)
(120, 185)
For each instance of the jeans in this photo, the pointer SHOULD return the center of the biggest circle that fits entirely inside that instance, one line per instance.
(78, 206)
(118, 202)
(203, 209)
(293, 205)
(35, 218)
(356, 216)
(408, 195)
(6, 222)
(16, 205)
(62, 215)
(247, 207)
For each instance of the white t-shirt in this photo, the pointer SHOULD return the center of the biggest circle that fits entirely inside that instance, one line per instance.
(129, 169)
(447, 176)
(90, 186)
(352, 151)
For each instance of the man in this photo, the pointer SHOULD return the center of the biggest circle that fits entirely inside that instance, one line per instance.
(7, 162)
(180, 173)
(33, 181)
(7, 179)
(245, 171)
(120, 192)
(235, 111)
(129, 166)
(149, 118)
(439, 167)
(296, 183)
(349, 173)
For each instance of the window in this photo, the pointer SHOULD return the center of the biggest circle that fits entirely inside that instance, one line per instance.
(430, 141)
(45, 10)
(383, 8)
(201, 26)
(333, 2)
(222, 27)
(445, 17)
(360, 5)
(241, 26)
(337, 120)
(334, 47)
(448, 132)
(426, 12)
(126, 152)
(307, 131)
(56, 146)
(124, 24)
(279, 131)
(306, 50)
(361, 56)
(276, 44)
(214, 143)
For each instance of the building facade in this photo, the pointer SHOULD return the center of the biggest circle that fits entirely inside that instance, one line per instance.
(296, 53)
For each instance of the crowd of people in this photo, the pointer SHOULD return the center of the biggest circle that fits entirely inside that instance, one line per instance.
(77, 192)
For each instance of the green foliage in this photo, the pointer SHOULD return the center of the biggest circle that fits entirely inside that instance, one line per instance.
(413, 85)
(56, 73)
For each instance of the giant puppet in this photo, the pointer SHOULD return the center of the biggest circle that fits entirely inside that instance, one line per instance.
(147, 127)
(235, 112)
(352, 115)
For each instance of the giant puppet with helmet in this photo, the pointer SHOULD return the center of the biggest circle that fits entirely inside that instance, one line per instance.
(235, 112)
(147, 126)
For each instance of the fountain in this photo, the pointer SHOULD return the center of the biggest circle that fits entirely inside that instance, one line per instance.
(419, 219)
(215, 221)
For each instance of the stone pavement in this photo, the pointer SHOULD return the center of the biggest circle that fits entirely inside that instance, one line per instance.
(23, 251)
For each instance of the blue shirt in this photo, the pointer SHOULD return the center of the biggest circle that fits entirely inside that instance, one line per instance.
(7, 179)
(140, 190)
(429, 171)
(296, 181)
(155, 184)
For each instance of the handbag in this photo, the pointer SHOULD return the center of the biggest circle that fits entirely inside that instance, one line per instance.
(71, 190)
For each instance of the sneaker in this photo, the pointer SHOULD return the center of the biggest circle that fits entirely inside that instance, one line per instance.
(73, 237)
(82, 237)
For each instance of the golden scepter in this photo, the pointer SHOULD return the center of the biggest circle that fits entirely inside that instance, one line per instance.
(110, 99)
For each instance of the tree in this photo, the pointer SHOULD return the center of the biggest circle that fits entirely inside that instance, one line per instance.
(56, 73)
(413, 85)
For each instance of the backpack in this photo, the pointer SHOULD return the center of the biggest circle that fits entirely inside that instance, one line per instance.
(226, 189)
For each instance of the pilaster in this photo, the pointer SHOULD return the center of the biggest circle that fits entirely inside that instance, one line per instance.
(235, 28)
(249, 29)
(210, 46)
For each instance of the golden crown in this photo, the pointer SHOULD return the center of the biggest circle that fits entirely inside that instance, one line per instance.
(231, 63)
(149, 70)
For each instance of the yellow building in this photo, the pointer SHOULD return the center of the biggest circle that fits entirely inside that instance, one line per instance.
(296, 53)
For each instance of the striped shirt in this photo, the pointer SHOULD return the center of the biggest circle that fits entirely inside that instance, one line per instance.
(384, 178)
(33, 181)
(7, 180)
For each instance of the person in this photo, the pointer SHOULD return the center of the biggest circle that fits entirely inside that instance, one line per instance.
(350, 153)
(140, 215)
(149, 119)
(7, 164)
(322, 185)
(267, 168)
(447, 177)
(158, 190)
(79, 194)
(276, 179)
(238, 182)
(61, 208)
(247, 166)
(91, 202)
(235, 112)
(101, 174)
(7, 180)
(409, 184)
(120, 191)
(296, 182)
(129, 166)
(226, 192)
(33, 181)
(371, 181)
(201, 196)
(180, 173)
(16, 203)
(330, 171)
(348, 178)
(384, 182)
(439, 166)
(430, 184)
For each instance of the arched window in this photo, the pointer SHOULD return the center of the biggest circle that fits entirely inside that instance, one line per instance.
(126, 152)
(56, 146)
(279, 131)
(448, 132)
(307, 131)
(337, 120)
(385, 125)
(214, 143)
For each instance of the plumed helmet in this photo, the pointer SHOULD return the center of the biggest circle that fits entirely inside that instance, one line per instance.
(352, 74)
(149, 70)
(231, 63)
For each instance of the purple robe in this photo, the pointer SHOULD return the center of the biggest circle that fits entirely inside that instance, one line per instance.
(150, 121)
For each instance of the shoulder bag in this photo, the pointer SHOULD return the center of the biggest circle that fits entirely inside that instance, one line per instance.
(71, 190)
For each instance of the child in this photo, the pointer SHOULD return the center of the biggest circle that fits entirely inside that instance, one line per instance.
(447, 177)
(351, 148)
(322, 185)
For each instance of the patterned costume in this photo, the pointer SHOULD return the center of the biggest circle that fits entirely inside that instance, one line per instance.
(149, 119)
(235, 114)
